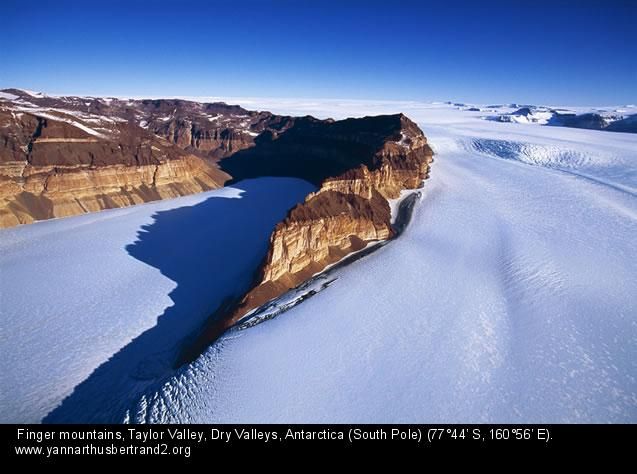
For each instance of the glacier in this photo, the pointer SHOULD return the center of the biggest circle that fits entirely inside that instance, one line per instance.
(509, 298)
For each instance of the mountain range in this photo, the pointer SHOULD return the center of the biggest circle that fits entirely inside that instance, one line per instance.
(62, 156)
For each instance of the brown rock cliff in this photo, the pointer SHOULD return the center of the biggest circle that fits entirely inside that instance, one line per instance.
(53, 164)
(70, 155)
(61, 156)
(347, 212)
(375, 159)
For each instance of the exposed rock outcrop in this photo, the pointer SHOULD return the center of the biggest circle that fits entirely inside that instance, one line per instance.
(372, 159)
(349, 210)
(69, 155)
(53, 164)
(45, 192)
(61, 156)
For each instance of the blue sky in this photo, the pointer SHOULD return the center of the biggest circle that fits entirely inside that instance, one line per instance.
(557, 52)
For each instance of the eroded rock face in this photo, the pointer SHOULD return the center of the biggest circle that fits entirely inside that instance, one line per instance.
(69, 155)
(349, 210)
(373, 159)
(46, 192)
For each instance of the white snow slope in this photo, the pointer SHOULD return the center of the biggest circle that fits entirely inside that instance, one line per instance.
(99, 302)
(509, 298)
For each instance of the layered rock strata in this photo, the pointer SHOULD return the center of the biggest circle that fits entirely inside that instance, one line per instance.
(68, 155)
(374, 158)
(61, 156)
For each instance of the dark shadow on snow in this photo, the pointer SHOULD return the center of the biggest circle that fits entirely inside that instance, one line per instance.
(212, 249)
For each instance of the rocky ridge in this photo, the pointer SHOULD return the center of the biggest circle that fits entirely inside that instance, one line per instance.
(379, 157)
(67, 155)
(61, 156)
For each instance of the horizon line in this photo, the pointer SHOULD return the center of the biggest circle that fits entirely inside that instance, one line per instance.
(247, 99)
